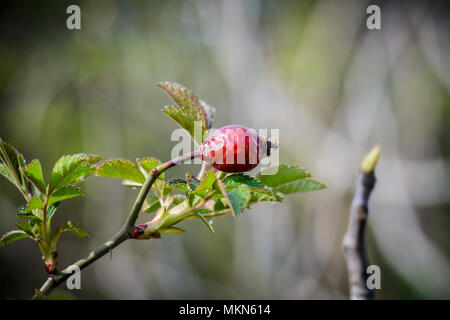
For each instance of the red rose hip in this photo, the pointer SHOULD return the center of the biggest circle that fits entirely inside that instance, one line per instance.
(232, 148)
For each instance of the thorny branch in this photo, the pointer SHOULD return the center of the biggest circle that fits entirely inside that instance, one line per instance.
(125, 233)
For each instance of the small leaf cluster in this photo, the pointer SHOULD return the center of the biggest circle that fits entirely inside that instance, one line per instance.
(43, 199)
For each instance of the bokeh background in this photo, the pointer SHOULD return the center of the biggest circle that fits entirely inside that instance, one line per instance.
(310, 68)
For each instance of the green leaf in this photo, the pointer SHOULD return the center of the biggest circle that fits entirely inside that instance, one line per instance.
(34, 203)
(191, 199)
(219, 205)
(161, 187)
(91, 159)
(78, 232)
(71, 228)
(23, 214)
(149, 163)
(300, 186)
(210, 113)
(34, 173)
(290, 179)
(25, 227)
(122, 169)
(6, 173)
(237, 197)
(206, 222)
(12, 236)
(258, 195)
(206, 184)
(188, 109)
(178, 184)
(171, 230)
(29, 216)
(192, 182)
(237, 179)
(151, 204)
(70, 170)
(258, 190)
(64, 193)
(178, 198)
(285, 174)
(51, 210)
(11, 158)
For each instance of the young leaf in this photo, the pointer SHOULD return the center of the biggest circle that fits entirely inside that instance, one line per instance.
(219, 205)
(170, 230)
(70, 170)
(10, 158)
(122, 169)
(25, 227)
(151, 204)
(34, 173)
(78, 232)
(300, 186)
(91, 159)
(34, 203)
(70, 227)
(51, 210)
(204, 221)
(285, 174)
(178, 184)
(238, 198)
(161, 186)
(6, 173)
(29, 216)
(206, 184)
(258, 190)
(258, 195)
(210, 112)
(239, 178)
(23, 214)
(192, 182)
(178, 198)
(290, 179)
(149, 163)
(64, 193)
(188, 109)
(12, 236)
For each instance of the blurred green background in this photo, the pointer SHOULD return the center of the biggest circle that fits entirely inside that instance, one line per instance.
(310, 68)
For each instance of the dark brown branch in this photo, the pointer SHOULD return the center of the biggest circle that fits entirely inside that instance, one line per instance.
(353, 243)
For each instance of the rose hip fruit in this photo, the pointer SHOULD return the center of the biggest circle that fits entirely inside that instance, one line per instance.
(232, 148)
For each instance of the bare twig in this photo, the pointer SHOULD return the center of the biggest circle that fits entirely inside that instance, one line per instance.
(353, 243)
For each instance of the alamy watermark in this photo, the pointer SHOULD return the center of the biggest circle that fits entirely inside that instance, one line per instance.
(374, 280)
(73, 21)
(74, 281)
(374, 20)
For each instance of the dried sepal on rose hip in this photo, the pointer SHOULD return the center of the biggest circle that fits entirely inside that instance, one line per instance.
(234, 148)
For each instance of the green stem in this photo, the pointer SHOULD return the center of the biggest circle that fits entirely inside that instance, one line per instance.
(125, 233)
